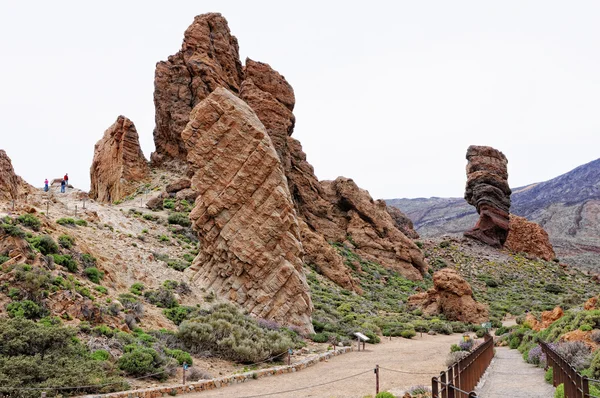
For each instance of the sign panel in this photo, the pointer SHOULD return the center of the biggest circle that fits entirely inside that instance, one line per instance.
(361, 336)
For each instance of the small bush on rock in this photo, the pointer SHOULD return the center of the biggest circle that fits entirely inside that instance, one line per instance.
(66, 241)
(30, 221)
(94, 274)
(44, 244)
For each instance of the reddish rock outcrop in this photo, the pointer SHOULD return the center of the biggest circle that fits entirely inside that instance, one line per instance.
(250, 249)
(528, 237)
(487, 189)
(209, 58)
(548, 318)
(178, 185)
(452, 296)
(119, 164)
(591, 303)
(12, 187)
(402, 222)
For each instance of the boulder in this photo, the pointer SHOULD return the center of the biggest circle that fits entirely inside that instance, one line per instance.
(187, 194)
(12, 187)
(119, 164)
(487, 189)
(591, 303)
(178, 185)
(209, 58)
(548, 318)
(250, 245)
(402, 222)
(528, 237)
(452, 296)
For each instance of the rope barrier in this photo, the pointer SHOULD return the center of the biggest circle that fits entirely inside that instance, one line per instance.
(308, 387)
(407, 372)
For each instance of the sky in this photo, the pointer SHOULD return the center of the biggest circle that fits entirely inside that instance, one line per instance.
(390, 94)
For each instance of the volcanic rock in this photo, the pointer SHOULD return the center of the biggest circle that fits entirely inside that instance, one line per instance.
(487, 189)
(548, 318)
(178, 185)
(209, 58)
(528, 237)
(12, 187)
(250, 249)
(402, 222)
(119, 164)
(452, 296)
(591, 303)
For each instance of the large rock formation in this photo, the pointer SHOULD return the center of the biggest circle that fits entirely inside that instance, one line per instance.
(209, 58)
(402, 222)
(487, 189)
(9, 181)
(452, 296)
(528, 237)
(250, 249)
(119, 164)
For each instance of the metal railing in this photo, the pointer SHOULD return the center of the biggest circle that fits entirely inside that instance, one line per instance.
(575, 384)
(459, 380)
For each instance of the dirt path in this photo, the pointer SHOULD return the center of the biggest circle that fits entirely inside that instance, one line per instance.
(509, 375)
(424, 355)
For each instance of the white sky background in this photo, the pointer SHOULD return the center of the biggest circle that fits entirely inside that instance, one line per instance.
(390, 94)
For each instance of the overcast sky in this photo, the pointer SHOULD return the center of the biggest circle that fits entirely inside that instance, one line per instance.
(390, 94)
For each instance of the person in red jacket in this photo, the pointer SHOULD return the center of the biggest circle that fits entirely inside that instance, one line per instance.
(66, 178)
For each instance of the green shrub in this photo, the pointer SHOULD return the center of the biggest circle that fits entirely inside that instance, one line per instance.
(35, 355)
(66, 221)
(444, 244)
(320, 337)
(66, 241)
(178, 314)
(168, 203)
(81, 223)
(454, 348)
(560, 391)
(100, 355)
(88, 260)
(553, 288)
(385, 394)
(162, 298)
(408, 333)
(179, 219)
(549, 375)
(501, 330)
(13, 230)
(66, 261)
(30, 221)
(25, 309)
(93, 274)
(141, 361)
(180, 356)
(137, 288)
(101, 289)
(44, 244)
(103, 330)
(480, 333)
(3, 259)
(150, 217)
(225, 332)
(164, 238)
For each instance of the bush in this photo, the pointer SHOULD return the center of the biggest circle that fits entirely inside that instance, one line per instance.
(31, 352)
(385, 394)
(408, 333)
(179, 219)
(137, 288)
(141, 361)
(13, 230)
(81, 223)
(480, 333)
(576, 353)
(66, 221)
(66, 241)
(44, 244)
(25, 309)
(93, 274)
(454, 357)
(88, 260)
(66, 261)
(162, 298)
(231, 335)
(30, 221)
(320, 337)
(3, 259)
(560, 391)
(180, 356)
(178, 314)
(553, 288)
(168, 203)
(100, 355)
(549, 375)
(501, 330)
(595, 336)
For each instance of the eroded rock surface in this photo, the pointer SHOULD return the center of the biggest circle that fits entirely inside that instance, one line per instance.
(528, 237)
(12, 187)
(119, 164)
(487, 189)
(402, 222)
(209, 58)
(452, 296)
(250, 245)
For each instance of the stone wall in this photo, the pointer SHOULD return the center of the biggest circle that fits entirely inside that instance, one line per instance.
(205, 385)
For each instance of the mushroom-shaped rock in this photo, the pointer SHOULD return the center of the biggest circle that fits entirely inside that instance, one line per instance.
(119, 164)
(487, 189)
(250, 248)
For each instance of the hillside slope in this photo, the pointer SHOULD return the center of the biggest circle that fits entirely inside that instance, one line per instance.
(567, 207)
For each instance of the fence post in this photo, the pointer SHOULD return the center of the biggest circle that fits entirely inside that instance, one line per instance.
(75, 210)
(84, 202)
(450, 382)
(289, 356)
(376, 379)
(47, 209)
(184, 369)
(434, 387)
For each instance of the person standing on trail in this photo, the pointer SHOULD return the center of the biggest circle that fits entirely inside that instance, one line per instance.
(66, 178)
(46, 185)
(63, 184)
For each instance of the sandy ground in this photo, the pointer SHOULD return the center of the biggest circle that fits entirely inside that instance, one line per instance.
(420, 355)
(509, 375)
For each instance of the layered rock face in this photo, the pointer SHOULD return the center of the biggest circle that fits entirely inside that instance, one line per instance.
(402, 222)
(209, 58)
(119, 164)
(9, 181)
(250, 248)
(528, 237)
(487, 189)
(452, 296)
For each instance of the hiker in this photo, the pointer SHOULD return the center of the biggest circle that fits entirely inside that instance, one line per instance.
(66, 178)
(46, 185)
(63, 184)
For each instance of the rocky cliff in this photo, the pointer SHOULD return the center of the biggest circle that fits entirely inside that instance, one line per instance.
(566, 207)
(12, 187)
(209, 58)
(119, 164)
(487, 189)
(250, 249)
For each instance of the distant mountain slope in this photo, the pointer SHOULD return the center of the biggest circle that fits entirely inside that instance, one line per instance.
(567, 206)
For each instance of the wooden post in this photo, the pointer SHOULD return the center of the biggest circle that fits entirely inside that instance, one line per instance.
(289, 356)
(13, 206)
(358, 340)
(184, 369)
(75, 210)
(84, 202)
(376, 379)
(47, 209)
(43, 395)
